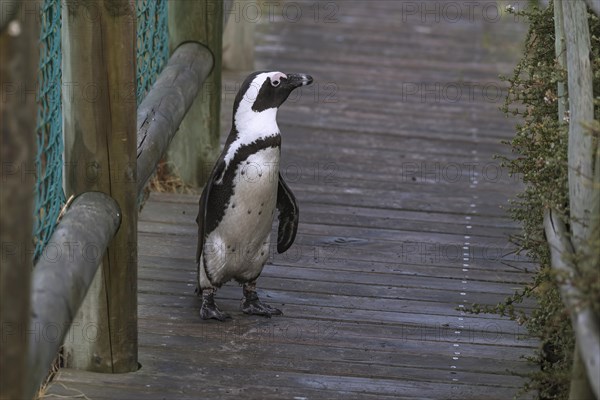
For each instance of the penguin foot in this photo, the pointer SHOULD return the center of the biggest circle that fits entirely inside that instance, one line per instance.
(209, 309)
(253, 306)
(207, 312)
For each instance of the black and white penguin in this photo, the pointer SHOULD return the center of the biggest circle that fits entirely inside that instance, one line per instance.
(238, 202)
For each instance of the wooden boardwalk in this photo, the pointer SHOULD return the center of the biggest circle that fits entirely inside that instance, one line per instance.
(390, 155)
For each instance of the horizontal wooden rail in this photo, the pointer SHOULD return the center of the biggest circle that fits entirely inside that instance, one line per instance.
(585, 322)
(165, 105)
(63, 274)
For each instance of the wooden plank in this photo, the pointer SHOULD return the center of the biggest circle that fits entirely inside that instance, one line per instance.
(182, 215)
(146, 388)
(99, 111)
(197, 143)
(499, 220)
(180, 207)
(340, 234)
(395, 200)
(252, 384)
(357, 292)
(334, 251)
(274, 385)
(415, 344)
(338, 365)
(174, 294)
(395, 299)
(488, 331)
(389, 280)
(18, 69)
(477, 273)
(387, 360)
(495, 334)
(448, 245)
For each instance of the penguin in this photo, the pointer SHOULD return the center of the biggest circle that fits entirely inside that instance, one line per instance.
(245, 187)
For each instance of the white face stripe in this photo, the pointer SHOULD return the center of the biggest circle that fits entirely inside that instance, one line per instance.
(253, 89)
(253, 125)
(252, 92)
(277, 77)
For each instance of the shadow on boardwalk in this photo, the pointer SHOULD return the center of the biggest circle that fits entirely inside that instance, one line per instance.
(390, 155)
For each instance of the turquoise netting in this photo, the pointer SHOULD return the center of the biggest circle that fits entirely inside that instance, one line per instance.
(152, 54)
(49, 159)
(152, 43)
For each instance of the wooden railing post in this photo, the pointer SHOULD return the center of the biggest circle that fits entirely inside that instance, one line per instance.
(577, 246)
(561, 57)
(238, 34)
(18, 68)
(99, 109)
(196, 145)
(584, 169)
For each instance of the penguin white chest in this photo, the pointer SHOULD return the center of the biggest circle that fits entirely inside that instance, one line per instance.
(254, 198)
(242, 238)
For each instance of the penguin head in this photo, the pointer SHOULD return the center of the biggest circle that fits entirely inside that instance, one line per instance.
(267, 90)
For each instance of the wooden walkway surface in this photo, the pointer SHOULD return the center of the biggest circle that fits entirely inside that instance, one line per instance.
(390, 155)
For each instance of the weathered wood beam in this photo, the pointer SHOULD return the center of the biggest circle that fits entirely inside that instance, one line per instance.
(63, 275)
(579, 245)
(584, 188)
(196, 146)
(584, 148)
(18, 69)
(585, 322)
(99, 125)
(561, 57)
(166, 104)
(578, 382)
(238, 35)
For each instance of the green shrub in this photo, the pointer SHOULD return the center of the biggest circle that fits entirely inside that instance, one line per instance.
(539, 150)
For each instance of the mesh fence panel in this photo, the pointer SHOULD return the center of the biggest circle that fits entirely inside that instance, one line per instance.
(152, 54)
(152, 43)
(49, 159)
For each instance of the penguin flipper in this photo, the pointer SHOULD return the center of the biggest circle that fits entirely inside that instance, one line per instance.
(216, 173)
(200, 221)
(288, 216)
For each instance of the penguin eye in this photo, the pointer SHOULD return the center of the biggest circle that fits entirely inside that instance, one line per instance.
(275, 82)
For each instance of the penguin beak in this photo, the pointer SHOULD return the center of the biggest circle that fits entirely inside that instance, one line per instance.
(297, 80)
